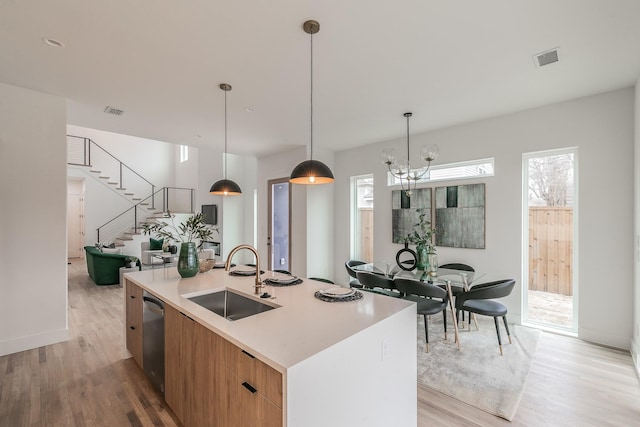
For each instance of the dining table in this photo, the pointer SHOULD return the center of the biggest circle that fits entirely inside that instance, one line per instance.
(445, 276)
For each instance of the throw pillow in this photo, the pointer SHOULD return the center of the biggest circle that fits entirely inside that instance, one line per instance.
(155, 245)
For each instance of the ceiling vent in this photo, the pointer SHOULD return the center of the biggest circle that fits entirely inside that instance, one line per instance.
(545, 58)
(114, 111)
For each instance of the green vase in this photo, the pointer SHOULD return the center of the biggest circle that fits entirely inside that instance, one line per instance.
(423, 257)
(188, 263)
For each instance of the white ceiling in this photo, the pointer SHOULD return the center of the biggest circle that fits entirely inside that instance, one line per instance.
(448, 62)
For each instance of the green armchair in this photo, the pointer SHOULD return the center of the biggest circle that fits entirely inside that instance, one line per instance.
(103, 268)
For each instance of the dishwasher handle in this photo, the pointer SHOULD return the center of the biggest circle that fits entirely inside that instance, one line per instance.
(154, 305)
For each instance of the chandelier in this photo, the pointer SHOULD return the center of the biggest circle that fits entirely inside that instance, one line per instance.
(401, 168)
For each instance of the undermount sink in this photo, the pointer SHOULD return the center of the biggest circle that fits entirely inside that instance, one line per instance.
(230, 305)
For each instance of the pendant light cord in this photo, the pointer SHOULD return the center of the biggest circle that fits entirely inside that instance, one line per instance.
(408, 152)
(225, 134)
(311, 109)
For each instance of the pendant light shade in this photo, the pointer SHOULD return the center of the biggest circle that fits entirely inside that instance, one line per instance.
(311, 171)
(225, 187)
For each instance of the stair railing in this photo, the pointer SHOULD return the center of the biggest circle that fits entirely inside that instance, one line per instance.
(174, 199)
(80, 151)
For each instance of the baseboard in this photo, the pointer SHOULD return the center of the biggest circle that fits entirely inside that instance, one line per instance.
(634, 355)
(33, 341)
(605, 338)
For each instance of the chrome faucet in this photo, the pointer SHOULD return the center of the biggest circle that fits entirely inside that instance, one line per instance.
(258, 284)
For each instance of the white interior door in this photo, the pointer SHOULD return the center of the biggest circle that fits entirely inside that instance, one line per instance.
(75, 219)
(279, 233)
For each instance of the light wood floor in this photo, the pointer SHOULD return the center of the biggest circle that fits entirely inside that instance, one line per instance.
(85, 381)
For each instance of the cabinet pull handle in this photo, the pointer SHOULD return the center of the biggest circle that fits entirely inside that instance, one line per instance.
(249, 354)
(186, 316)
(249, 387)
(132, 328)
(132, 296)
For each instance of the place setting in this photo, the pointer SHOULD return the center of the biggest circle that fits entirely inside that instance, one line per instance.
(338, 294)
(244, 271)
(280, 279)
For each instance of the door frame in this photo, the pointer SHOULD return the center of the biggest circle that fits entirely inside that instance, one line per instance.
(270, 184)
(525, 239)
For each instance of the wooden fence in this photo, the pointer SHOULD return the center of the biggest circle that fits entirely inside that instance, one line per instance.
(551, 249)
(366, 234)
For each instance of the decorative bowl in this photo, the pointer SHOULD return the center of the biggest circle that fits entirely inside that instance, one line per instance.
(206, 265)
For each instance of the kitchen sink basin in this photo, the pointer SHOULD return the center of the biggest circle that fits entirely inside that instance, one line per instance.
(230, 305)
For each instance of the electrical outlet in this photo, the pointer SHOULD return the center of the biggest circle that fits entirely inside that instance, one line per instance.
(281, 261)
(385, 350)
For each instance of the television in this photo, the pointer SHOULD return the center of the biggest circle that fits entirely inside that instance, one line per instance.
(210, 213)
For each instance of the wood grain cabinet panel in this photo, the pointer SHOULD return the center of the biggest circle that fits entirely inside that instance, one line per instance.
(194, 371)
(263, 377)
(248, 407)
(133, 318)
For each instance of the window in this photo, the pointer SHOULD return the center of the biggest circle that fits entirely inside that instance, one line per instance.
(451, 171)
(184, 153)
(362, 218)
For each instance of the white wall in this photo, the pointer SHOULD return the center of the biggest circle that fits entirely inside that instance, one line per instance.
(635, 343)
(311, 214)
(602, 127)
(275, 167)
(152, 159)
(33, 190)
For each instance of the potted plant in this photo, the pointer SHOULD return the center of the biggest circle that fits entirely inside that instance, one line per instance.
(422, 237)
(188, 233)
(131, 261)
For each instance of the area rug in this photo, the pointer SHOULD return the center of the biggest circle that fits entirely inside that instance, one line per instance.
(477, 375)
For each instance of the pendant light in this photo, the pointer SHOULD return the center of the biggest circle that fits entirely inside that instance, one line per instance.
(225, 187)
(311, 171)
(401, 168)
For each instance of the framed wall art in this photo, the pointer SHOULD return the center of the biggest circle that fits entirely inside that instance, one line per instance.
(404, 211)
(460, 216)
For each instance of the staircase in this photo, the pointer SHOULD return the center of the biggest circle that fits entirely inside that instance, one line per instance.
(147, 203)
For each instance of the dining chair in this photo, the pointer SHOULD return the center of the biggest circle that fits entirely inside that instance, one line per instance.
(348, 265)
(320, 279)
(479, 300)
(456, 289)
(430, 300)
(377, 283)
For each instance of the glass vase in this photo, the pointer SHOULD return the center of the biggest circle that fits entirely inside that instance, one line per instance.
(433, 264)
(423, 257)
(188, 264)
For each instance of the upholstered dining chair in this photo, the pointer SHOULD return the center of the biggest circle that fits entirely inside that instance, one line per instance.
(456, 289)
(320, 279)
(349, 266)
(479, 300)
(377, 283)
(430, 300)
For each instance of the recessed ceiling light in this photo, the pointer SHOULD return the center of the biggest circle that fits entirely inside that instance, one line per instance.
(52, 42)
(250, 109)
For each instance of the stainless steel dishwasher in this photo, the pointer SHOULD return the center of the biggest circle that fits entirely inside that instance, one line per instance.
(153, 340)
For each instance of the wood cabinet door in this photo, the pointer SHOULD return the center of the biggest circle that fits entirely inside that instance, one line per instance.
(247, 407)
(133, 319)
(247, 367)
(176, 362)
(194, 371)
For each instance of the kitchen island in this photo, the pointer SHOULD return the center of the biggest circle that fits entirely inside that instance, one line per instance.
(304, 363)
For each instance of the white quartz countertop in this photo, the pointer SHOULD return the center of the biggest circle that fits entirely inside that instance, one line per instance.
(300, 327)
